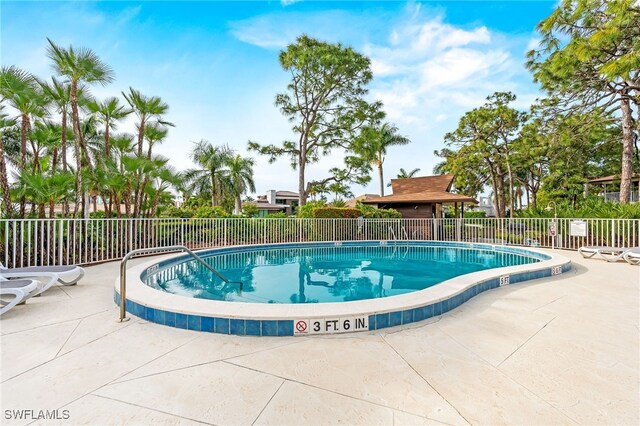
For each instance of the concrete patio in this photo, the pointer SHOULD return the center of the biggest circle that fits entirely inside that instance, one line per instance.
(562, 350)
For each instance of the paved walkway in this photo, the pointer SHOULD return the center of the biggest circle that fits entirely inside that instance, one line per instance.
(562, 350)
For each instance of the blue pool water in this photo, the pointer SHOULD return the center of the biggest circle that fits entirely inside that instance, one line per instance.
(326, 274)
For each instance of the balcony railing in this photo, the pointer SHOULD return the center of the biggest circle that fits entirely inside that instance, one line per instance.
(615, 196)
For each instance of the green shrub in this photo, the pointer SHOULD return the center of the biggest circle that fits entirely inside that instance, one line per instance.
(368, 211)
(474, 214)
(277, 215)
(306, 211)
(591, 207)
(210, 212)
(249, 210)
(336, 213)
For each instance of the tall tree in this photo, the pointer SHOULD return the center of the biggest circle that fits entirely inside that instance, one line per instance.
(403, 174)
(589, 57)
(484, 137)
(7, 205)
(108, 112)
(325, 102)
(79, 66)
(240, 179)
(21, 90)
(209, 175)
(146, 108)
(373, 144)
(58, 94)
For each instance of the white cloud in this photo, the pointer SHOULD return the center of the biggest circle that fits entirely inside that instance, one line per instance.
(286, 3)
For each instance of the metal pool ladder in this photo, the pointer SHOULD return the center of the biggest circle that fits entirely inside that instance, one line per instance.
(158, 250)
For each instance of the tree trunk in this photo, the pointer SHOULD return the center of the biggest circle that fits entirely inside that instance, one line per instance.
(301, 186)
(213, 190)
(36, 156)
(77, 132)
(4, 183)
(63, 152)
(500, 197)
(138, 188)
(154, 205)
(127, 202)
(627, 151)
(107, 146)
(511, 189)
(24, 130)
(238, 208)
(381, 175)
(116, 201)
(494, 185)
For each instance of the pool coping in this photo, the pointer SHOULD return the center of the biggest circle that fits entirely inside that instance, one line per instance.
(265, 319)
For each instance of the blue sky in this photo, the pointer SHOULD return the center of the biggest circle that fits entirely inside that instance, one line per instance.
(216, 63)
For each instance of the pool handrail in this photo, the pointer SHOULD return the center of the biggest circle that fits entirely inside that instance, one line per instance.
(158, 250)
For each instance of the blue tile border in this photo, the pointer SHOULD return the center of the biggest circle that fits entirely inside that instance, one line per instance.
(377, 320)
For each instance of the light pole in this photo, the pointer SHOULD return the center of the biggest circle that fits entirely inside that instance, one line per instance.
(553, 230)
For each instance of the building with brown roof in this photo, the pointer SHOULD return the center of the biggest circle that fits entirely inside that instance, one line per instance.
(422, 197)
(607, 183)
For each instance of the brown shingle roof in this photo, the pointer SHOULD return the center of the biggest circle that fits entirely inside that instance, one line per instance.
(352, 202)
(422, 197)
(287, 194)
(420, 184)
(610, 179)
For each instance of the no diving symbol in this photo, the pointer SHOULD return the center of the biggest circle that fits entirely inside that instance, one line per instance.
(301, 326)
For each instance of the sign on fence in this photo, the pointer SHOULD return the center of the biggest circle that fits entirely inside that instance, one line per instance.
(552, 229)
(578, 228)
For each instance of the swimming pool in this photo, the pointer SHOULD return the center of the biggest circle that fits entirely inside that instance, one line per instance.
(325, 274)
(325, 297)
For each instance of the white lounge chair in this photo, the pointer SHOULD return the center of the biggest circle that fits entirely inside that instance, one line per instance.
(590, 251)
(67, 275)
(610, 254)
(632, 256)
(19, 289)
(45, 281)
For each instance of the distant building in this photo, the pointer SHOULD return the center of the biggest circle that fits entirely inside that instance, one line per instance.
(486, 205)
(422, 197)
(277, 201)
(609, 188)
(352, 202)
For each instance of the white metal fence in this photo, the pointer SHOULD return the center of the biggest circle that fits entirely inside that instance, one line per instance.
(27, 242)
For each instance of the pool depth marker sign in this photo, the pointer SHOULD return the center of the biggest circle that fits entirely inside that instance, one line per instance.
(330, 325)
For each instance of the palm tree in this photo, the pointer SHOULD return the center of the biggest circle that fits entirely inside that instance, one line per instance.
(164, 176)
(154, 133)
(373, 145)
(5, 122)
(43, 188)
(78, 66)
(240, 179)
(118, 179)
(403, 174)
(108, 113)
(21, 90)
(208, 177)
(145, 108)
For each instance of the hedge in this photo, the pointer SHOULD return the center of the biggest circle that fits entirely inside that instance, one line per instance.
(335, 213)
